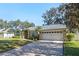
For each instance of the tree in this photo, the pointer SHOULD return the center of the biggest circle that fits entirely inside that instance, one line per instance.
(53, 16)
(1, 23)
(28, 24)
(38, 28)
(16, 23)
(32, 25)
(48, 16)
(35, 33)
(71, 13)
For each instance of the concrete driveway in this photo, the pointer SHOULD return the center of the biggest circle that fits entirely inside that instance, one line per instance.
(38, 48)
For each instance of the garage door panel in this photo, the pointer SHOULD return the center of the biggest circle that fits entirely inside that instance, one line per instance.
(52, 36)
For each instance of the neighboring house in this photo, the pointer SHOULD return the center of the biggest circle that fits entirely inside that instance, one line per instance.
(51, 32)
(1, 32)
(7, 33)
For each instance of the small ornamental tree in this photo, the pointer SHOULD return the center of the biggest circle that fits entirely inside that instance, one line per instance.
(38, 30)
(70, 36)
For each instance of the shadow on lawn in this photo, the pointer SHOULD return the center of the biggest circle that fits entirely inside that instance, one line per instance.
(71, 51)
(6, 45)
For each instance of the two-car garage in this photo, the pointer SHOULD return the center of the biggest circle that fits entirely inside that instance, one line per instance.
(56, 36)
(53, 32)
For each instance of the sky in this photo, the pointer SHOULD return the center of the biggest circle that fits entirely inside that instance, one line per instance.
(31, 12)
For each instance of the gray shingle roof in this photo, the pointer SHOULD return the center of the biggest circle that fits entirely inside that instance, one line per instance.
(31, 28)
(55, 26)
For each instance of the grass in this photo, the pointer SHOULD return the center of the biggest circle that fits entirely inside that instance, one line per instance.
(71, 48)
(7, 44)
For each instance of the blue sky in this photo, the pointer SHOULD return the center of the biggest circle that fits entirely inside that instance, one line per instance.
(25, 11)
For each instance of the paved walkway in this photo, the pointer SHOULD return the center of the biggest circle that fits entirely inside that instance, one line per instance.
(38, 48)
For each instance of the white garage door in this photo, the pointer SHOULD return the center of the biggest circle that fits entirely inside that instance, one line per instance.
(52, 36)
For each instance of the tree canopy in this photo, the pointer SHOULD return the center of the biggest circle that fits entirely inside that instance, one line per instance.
(52, 16)
(14, 24)
(67, 14)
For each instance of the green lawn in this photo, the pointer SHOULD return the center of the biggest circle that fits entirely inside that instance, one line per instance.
(71, 48)
(11, 43)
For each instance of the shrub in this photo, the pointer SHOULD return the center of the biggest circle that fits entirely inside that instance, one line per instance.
(70, 36)
(33, 36)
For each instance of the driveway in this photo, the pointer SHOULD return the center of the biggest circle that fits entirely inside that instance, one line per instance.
(38, 48)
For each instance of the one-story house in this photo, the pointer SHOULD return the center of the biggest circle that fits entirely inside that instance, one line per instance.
(7, 33)
(51, 32)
